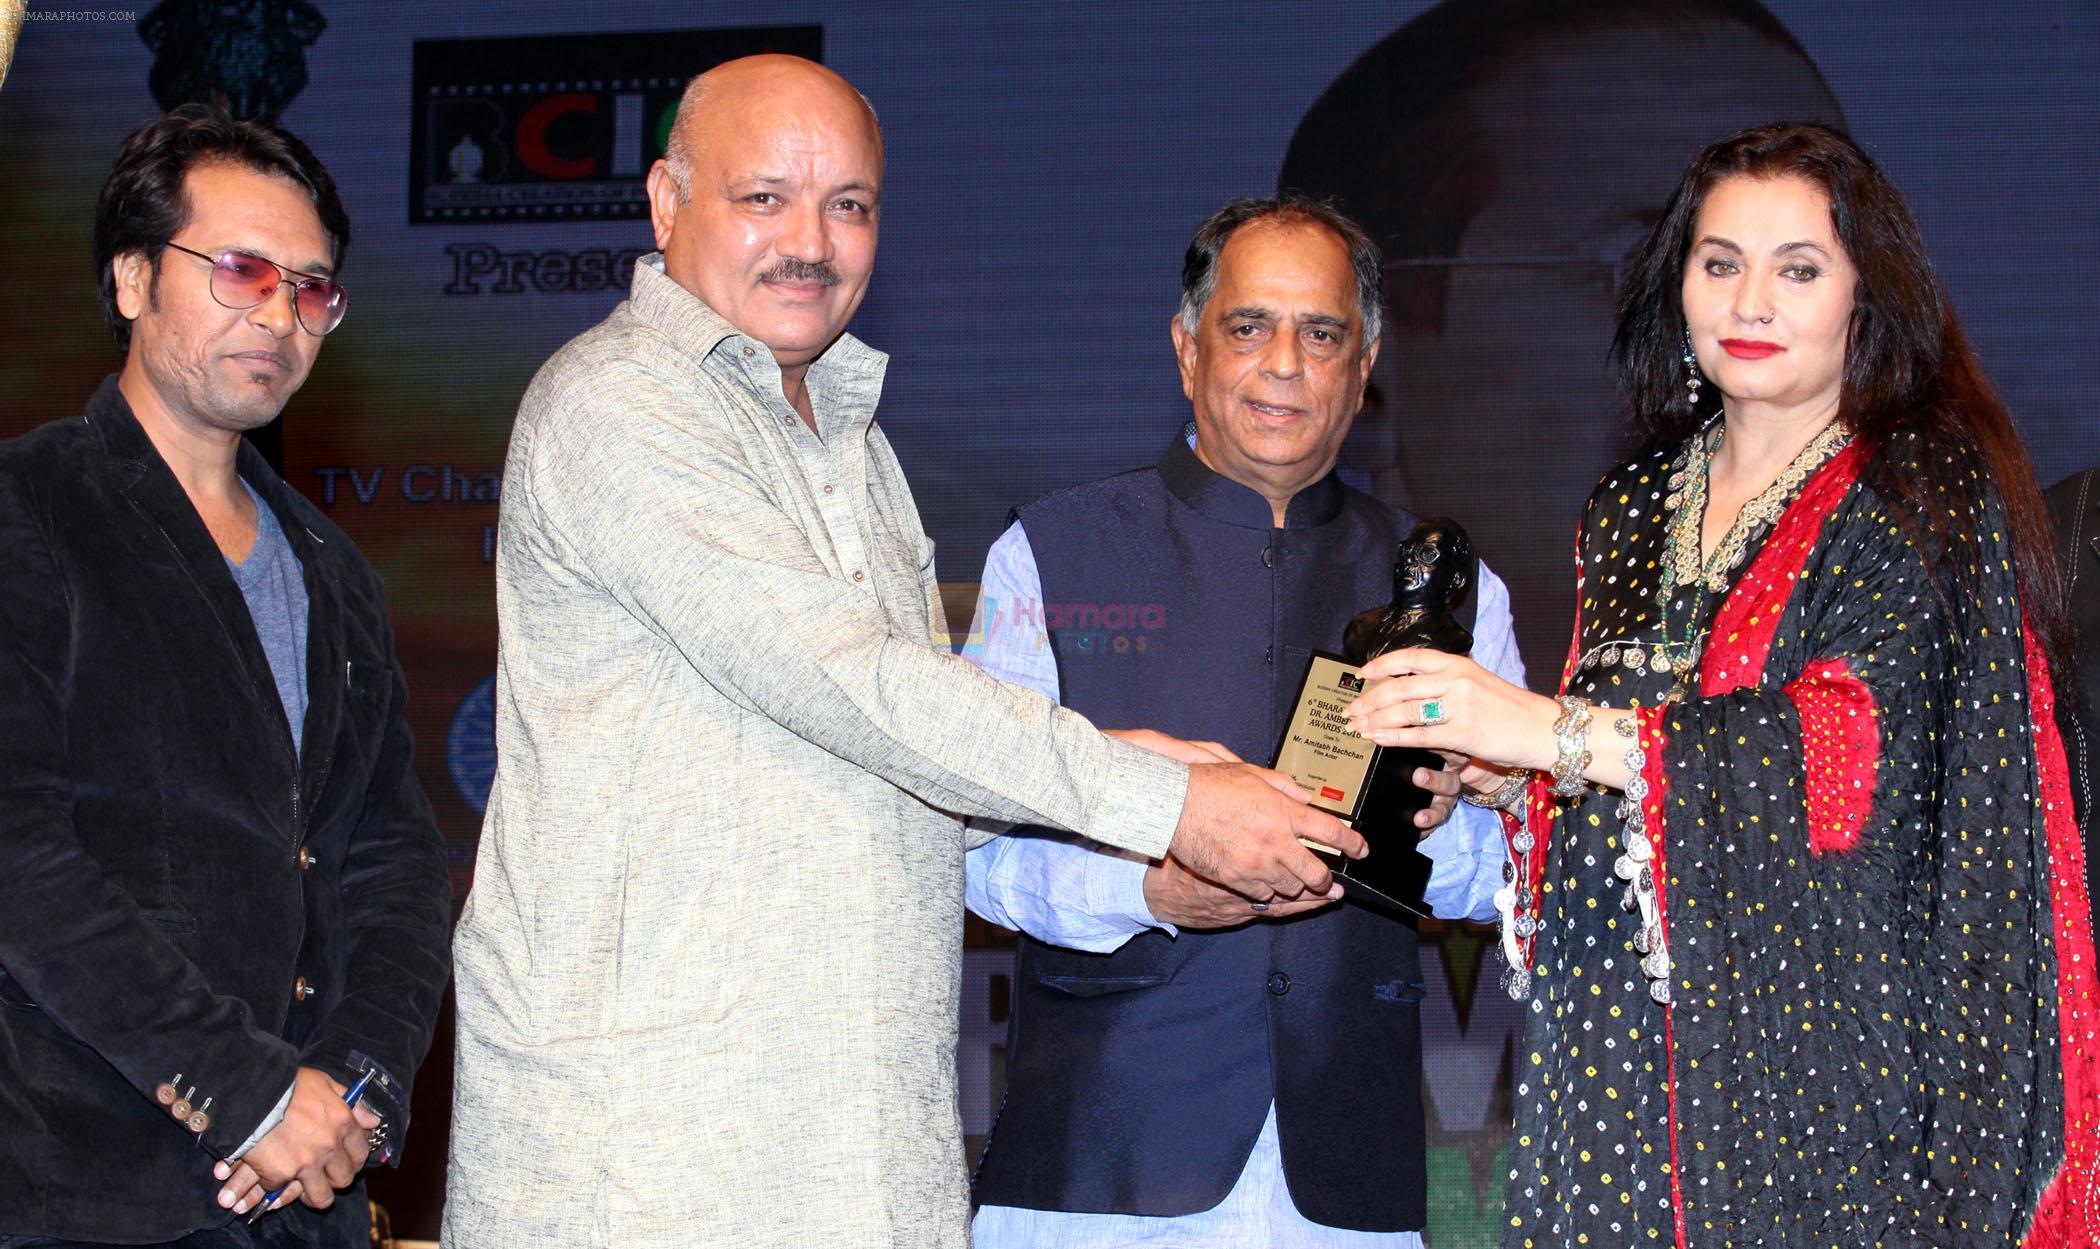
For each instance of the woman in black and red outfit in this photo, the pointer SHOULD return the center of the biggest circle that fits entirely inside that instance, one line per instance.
(1796, 894)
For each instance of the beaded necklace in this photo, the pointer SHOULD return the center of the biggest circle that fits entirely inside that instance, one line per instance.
(1682, 565)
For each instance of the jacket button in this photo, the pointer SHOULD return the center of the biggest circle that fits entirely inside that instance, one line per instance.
(1279, 984)
(166, 1093)
(306, 859)
(301, 990)
(1268, 557)
(198, 1121)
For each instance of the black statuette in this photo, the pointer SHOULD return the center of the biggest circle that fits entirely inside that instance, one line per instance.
(1372, 787)
(1431, 575)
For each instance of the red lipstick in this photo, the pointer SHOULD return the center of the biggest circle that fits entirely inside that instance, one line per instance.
(1750, 348)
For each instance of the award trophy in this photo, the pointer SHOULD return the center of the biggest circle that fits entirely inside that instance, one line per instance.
(1369, 787)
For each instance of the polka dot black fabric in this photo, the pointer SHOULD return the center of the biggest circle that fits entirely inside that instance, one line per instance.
(1862, 1045)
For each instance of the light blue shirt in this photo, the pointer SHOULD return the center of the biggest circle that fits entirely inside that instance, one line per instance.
(1068, 891)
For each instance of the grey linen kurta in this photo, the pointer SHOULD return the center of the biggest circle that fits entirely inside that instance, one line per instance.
(708, 973)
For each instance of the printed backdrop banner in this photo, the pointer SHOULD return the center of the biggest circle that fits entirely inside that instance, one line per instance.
(1046, 165)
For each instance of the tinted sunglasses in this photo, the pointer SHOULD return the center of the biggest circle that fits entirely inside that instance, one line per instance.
(240, 280)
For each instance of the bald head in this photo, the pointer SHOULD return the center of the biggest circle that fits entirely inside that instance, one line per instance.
(765, 203)
(713, 98)
(11, 14)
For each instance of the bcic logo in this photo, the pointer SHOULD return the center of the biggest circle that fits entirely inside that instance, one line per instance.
(559, 127)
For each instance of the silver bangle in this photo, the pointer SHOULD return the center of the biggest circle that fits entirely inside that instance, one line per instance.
(1503, 797)
(1571, 734)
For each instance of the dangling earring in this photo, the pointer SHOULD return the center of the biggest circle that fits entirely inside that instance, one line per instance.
(1691, 366)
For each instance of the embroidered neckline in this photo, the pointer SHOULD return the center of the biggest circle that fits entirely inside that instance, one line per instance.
(1685, 502)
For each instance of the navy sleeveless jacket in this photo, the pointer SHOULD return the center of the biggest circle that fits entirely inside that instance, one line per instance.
(1138, 1081)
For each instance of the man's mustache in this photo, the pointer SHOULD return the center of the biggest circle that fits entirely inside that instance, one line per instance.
(801, 272)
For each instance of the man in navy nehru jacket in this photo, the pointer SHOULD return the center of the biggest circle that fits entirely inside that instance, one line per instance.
(1186, 1068)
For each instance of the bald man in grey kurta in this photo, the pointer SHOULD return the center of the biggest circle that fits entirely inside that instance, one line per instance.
(708, 973)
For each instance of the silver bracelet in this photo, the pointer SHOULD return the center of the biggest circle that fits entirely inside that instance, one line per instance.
(1503, 797)
(1571, 734)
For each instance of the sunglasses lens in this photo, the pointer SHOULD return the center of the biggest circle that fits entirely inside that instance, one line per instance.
(321, 305)
(239, 280)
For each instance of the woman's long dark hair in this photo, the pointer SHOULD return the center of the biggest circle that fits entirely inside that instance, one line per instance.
(1909, 371)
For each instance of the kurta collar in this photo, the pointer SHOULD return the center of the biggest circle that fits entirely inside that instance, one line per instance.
(1223, 499)
(844, 383)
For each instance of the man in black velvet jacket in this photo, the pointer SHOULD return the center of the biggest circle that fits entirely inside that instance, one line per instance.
(222, 895)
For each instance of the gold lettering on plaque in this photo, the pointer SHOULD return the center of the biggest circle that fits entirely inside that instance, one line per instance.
(1319, 751)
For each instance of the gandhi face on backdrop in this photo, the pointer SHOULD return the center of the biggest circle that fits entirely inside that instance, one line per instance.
(1515, 387)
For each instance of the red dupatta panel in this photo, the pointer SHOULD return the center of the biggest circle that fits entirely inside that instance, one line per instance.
(1652, 734)
(1539, 803)
(1840, 729)
(2069, 1214)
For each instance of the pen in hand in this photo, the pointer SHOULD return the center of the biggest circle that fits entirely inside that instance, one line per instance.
(350, 1096)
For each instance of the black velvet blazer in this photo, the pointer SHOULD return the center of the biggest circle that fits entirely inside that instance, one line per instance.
(181, 903)
(2074, 504)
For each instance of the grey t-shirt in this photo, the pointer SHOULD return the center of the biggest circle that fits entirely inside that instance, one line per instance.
(275, 587)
